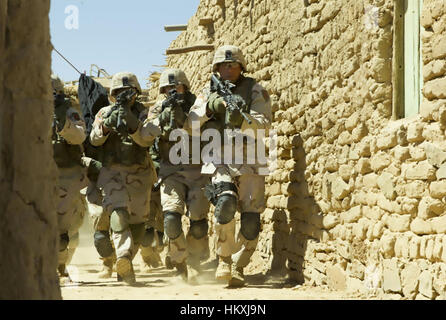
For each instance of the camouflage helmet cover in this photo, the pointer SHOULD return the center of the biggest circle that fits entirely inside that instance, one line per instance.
(57, 84)
(124, 80)
(228, 53)
(171, 77)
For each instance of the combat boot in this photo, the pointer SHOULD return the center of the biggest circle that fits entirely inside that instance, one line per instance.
(194, 269)
(150, 263)
(168, 263)
(124, 269)
(237, 277)
(151, 258)
(194, 261)
(107, 268)
(182, 270)
(223, 272)
(155, 260)
(63, 273)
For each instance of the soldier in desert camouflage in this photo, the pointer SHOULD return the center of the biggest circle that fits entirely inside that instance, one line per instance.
(234, 186)
(127, 173)
(68, 133)
(153, 240)
(182, 184)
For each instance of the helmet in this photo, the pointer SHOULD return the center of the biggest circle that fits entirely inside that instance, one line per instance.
(124, 80)
(57, 84)
(173, 77)
(228, 53)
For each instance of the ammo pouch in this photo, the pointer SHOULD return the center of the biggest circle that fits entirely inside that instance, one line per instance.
(122, 150)
(129, 153)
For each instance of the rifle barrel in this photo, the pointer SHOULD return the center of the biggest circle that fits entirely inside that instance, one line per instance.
(246, 117)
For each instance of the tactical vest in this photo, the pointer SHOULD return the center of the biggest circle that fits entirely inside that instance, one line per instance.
(65, 155)
(243, 88)
(121, 149)
(163, 143)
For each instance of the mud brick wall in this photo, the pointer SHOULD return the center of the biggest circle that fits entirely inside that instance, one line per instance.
(28, 224)
(358, 199)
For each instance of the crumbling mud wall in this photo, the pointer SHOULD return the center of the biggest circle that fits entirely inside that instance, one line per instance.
(28, 225)
(358, 199)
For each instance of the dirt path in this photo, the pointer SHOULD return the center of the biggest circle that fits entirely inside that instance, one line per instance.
(162, 284)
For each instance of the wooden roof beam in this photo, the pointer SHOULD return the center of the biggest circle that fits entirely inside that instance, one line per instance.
(179, 27)
(209, 47)
(205, 21)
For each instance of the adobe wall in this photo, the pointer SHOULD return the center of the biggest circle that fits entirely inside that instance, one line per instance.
(28, 225)
(358, 200)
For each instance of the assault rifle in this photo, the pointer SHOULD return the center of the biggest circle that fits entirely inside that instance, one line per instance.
(121, 101)
(233, 102)
(174, 100)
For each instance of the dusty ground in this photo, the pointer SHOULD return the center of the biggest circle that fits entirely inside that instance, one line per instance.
(162, 284)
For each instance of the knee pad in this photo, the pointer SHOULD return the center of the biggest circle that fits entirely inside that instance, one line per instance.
(119, 220)
(198, 228)
(212, 191)
(148, 238)
(172, 225)
(103, 244)
(63, 241)
(137, 231)
(250, 225)
(225, 208)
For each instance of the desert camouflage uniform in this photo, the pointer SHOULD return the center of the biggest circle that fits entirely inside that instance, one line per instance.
(153, 243)
(70, 206)
(126, 176)
(182, 192)
(246, 181)
(101, 226)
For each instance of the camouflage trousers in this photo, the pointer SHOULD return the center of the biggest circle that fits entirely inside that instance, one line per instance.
(73, 232)
(251, 198)
(127, 187)
(100, 217)
(71, 207)
(183, 192)
(155, 221)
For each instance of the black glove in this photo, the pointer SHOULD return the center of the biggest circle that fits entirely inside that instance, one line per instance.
(164, 117)
(234, 118)
(111, 121)
(93, 170)
(216, 104)
(129, 119)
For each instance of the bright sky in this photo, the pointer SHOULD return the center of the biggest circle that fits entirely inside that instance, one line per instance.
(116, 35)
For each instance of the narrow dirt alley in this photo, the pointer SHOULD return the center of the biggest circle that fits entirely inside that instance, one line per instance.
(163, 284)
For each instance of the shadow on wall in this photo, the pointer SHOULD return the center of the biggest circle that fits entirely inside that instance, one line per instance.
(292, 222)
(305, 222)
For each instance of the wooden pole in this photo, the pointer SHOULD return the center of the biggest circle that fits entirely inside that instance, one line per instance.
(398, 62)
(205, 21)
(180, 27)
(209, 47)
